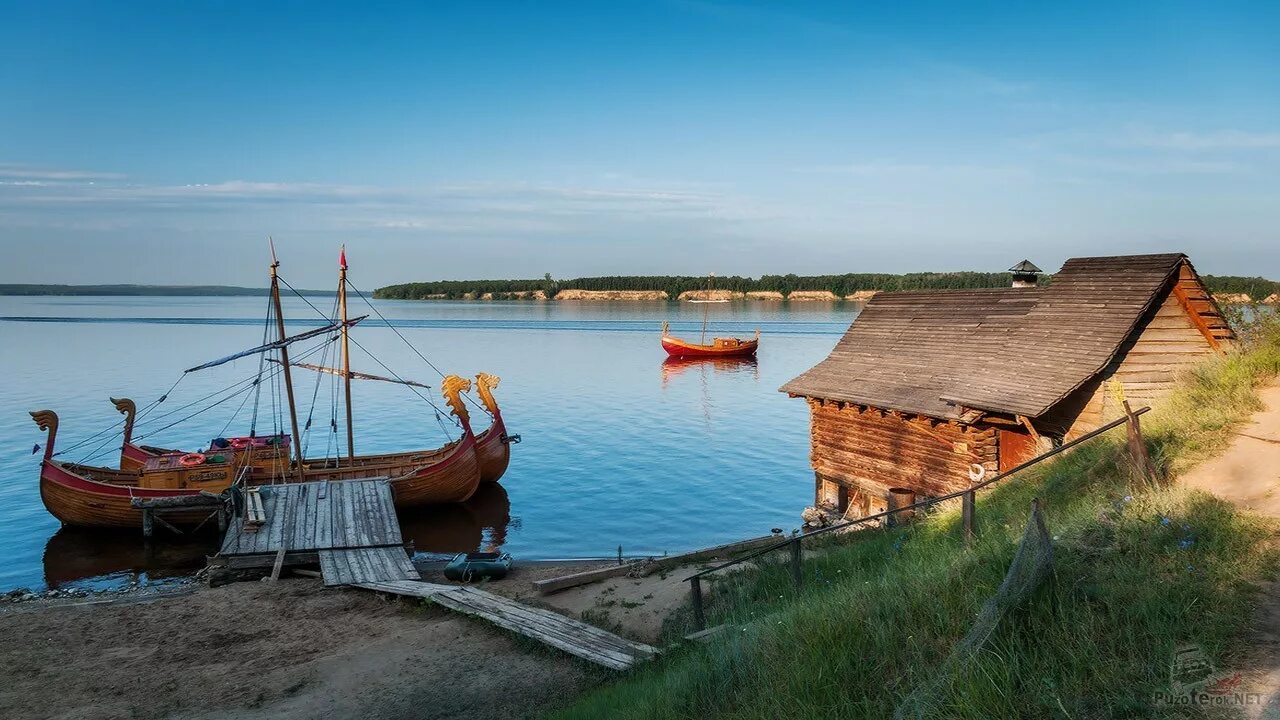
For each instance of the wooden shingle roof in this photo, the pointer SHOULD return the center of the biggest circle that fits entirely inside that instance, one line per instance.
(1011, 350)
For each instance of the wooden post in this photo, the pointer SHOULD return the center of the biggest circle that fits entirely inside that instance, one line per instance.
(695, 594)
(222, 519)
(968, 507)
(796, 558)
(147, 527)
(1138, 446)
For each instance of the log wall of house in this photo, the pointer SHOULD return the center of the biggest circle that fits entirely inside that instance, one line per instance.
(1148, 366)
(869, 451)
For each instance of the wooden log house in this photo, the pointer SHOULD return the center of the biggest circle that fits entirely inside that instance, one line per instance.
(926, 385)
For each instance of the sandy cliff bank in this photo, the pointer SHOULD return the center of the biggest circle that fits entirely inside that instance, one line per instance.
(572, 294)
(812, 295)
(710, 295)
(861, 295)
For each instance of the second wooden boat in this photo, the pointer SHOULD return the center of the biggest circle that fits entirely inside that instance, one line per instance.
(493, 446)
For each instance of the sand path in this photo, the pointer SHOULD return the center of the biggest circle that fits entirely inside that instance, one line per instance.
(1248, 476)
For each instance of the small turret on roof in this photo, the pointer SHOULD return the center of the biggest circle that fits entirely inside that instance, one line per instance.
(1025, 274)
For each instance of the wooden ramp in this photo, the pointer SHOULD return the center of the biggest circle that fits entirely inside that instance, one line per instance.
(572, 636)
(349, 527)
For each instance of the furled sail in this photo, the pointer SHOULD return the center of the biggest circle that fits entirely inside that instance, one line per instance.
(278, 343)
(354, 375)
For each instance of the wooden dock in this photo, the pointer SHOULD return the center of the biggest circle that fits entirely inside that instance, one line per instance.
(348, 527)
(572, 636)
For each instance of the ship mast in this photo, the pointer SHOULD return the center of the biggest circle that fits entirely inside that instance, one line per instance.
(346, 349)
(706, 307)
(284, 364)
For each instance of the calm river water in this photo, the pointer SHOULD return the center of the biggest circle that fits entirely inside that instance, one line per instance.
(620, 447)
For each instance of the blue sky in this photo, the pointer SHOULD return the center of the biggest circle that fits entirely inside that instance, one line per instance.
(163, 142)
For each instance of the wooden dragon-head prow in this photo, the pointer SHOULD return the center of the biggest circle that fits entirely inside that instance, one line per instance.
(129, 409)
(485, 383)
(47, 420)
(452, 388)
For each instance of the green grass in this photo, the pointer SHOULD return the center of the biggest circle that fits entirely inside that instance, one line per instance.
(1140, 569)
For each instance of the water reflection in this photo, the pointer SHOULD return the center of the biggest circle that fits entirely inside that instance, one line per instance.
(480, 523)
(674, 367)
(95, 560)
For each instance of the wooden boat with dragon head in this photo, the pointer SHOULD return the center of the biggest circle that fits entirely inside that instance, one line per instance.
(493, 446)
(91, 496)
(133, 457)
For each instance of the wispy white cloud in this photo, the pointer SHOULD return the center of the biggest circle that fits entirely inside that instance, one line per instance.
(20, 172)
(479, 209)
(1155, 165)
(1201, 141)
(895, 169)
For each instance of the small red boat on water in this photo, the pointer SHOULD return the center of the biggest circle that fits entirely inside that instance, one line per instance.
(719, 347)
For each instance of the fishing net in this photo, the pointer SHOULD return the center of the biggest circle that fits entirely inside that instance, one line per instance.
(1031, 565)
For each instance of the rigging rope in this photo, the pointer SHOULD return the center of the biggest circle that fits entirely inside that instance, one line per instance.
(409, 344)
(266, 326)
(384, 366)
(234, 389)
(120, 431)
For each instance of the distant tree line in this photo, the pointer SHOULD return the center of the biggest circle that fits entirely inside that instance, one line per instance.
(676, 284)
(1257, 288)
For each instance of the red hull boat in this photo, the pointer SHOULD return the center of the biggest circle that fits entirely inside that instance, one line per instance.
(719, 347)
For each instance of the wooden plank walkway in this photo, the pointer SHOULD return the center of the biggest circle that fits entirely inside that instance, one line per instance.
(350, 527)
(349, 566)
(572, 636)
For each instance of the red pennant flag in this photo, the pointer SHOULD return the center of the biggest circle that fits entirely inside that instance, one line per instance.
(342, 258)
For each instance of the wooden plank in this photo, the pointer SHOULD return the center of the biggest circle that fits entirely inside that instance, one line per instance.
(552, 621)
(366, 565)
(324, 523)
(556, 584)
(385, 529)
(389, 506)
(560, 640)
(1196, 317)
(705, 636)
(373, 514)
(329, 566)
(360, 507)
(572, 636)
(412, 588)
(279, 563)
(267, 560)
